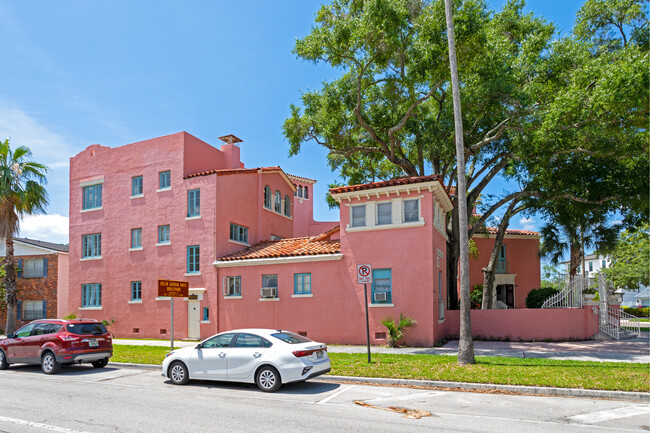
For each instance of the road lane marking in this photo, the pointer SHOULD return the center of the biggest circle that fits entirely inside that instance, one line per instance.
(39, 425)
(609, 414)
(336, 394)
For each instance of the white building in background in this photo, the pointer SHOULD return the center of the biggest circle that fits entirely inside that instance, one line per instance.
(593, 264)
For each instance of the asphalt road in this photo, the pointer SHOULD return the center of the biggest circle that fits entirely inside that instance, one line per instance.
(84, 399)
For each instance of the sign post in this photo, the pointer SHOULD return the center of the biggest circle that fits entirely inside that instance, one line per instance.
(364, 276)
(173, 289)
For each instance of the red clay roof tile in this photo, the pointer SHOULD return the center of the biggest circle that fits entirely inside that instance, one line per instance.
(292, 247)
(386, 183)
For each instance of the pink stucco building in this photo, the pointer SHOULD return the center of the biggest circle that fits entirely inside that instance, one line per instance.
(245, 240)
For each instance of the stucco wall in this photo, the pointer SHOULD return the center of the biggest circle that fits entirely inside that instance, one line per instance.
(528, 324)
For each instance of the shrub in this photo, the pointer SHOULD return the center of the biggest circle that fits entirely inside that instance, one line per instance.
(476, 297)
(396, 330)
(638, 312)
(536, 297)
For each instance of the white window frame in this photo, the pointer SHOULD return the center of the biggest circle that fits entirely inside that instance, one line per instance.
(352, 217)
(232, 287)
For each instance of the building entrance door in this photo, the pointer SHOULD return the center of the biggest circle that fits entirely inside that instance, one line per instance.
(193, 326)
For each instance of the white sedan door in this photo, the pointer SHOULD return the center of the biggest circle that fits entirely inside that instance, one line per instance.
(210, 360)
(245, 356)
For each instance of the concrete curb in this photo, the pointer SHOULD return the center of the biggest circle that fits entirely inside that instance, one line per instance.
(463, 386)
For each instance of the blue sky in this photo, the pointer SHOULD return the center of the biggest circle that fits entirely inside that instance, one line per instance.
(75, 73)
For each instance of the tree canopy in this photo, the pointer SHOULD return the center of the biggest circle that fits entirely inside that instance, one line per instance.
(630, 266)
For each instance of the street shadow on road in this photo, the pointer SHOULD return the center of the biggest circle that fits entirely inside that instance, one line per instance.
(298, 388)
(66, 370)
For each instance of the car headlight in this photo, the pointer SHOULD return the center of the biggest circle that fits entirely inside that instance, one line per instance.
(169, 353)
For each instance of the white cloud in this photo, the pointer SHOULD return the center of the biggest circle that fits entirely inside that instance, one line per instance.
(528, 224)
(49, 228)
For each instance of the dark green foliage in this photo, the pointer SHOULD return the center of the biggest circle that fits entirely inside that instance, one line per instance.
(638, 312)
(536, 297)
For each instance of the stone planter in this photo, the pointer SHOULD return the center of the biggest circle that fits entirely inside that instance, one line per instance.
(588, 296)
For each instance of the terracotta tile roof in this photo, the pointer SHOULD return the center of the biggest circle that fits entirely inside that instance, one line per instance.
(291, 247)
(386, 183)
(494, 231)
(232, 171)
(304, 179)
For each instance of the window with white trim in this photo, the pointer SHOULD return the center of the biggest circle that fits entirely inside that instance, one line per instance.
(91, 245)
(287, 206)
(381, 287)
(136, 186)
(278, 202)
(232, 286)
(269, 286)
(193, 203)
(136, 290)
(164, 234)
(411, 210)
(238, 233)
(92, 197)
(267, 197)
(384, 213)
(136, 238)
(165, 179)
(302, 284)
(91, 295)
(358, 215)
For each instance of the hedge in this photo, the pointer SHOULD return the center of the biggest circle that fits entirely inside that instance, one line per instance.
(536, 297)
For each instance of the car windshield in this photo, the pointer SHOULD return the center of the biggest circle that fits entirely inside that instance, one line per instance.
(291, 338)
(86, 328)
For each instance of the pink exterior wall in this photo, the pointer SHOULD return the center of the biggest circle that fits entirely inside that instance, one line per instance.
(63, 281)
(522, 260)
(528, 324)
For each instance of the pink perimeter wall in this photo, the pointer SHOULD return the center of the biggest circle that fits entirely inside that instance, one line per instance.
(528, 324)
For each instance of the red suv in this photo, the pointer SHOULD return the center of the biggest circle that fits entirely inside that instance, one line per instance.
(54, 342)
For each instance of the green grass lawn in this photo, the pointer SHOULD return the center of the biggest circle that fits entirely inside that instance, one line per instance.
(506, 371)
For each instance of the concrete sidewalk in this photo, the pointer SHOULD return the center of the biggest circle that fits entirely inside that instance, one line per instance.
(634, 350)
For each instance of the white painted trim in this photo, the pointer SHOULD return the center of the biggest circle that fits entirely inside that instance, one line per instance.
(87, 259)
(92, 209)
(193, 274)
(385, 226)
(507, 236)
(92, 182)
(198, 289)
(136, 249)
(239, 243)
(163, 298)
(233, 297)
(306, 295)
(204, 322)
(269, 299)
(278, 260)
(169, 188)
(163, 244)
(196, 217)
(91, 308)
(380, 305)
(135, 302)
(137, 196)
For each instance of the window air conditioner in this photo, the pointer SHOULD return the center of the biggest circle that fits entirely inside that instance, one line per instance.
(380, 296)
(269, 292)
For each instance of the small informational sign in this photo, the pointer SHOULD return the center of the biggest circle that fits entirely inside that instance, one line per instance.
(364, 274)
(173, 289)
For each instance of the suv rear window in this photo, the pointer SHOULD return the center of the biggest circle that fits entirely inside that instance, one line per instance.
(291, 338)
(86, 328)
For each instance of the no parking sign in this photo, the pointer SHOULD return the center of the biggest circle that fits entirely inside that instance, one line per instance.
(364, 274)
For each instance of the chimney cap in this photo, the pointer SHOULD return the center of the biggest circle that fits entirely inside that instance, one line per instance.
(230, 139)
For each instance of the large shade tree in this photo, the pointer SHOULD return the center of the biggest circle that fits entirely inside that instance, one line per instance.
(539, 110)
(22, 192)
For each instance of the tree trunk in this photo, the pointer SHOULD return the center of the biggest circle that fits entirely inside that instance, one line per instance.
(488, 271)
(452, 259)
(10, 286)
(465, 345)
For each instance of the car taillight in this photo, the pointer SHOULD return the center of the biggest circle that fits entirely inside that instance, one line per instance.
(301, 353)
(68, 337)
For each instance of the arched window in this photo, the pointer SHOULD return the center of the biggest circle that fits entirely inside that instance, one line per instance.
(287, 206)
(267, 197)
(299, 191)
(305, 192)
(278, 202)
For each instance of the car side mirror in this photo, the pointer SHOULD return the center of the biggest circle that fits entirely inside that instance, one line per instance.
(11, 335)
(198, 346)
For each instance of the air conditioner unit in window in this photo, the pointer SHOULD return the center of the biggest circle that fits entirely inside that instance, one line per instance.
(381, 296)
(269, 292)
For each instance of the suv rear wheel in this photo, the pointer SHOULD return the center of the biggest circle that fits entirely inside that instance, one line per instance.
(49, 364)
(4, 364)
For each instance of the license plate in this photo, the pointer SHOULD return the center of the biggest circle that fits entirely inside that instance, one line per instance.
(93, 343)
(319, 354)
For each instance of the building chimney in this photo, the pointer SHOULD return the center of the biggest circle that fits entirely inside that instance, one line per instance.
(231, 151)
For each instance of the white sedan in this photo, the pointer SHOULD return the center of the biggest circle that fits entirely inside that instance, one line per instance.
(266, 357)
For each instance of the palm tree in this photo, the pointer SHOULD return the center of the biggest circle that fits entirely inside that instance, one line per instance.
(397, 329)
(21, 193)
